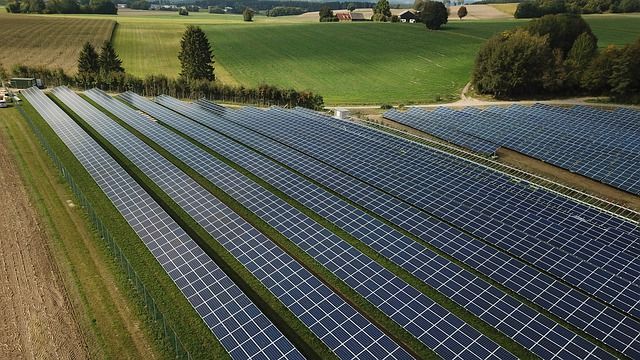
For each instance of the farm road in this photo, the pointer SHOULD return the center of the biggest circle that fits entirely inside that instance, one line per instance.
(36, 319)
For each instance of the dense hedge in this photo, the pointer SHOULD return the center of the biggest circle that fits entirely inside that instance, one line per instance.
(285, 11)
(159, 84)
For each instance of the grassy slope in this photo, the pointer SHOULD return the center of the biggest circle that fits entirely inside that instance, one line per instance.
(106, 310)
(50, 41)
(195, 336)
(354, 63)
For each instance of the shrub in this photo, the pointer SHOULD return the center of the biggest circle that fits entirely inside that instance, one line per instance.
(379, 17)
(247, 14)
(462, 12)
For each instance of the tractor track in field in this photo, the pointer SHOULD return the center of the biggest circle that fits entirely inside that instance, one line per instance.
(36, 316)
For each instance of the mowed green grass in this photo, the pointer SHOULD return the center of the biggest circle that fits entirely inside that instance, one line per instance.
(356, 63)
(347, 63)
(49, 41)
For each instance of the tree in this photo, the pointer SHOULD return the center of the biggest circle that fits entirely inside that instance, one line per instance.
(32, 6)
(462, 12)
(88, 60)
(247, 14)
(183, 12)
(579, 57)
(196, 57)
(326, 15)
(62, 7)
(562, 29)
(527, 10)
(627, 6)
(596, 77)
(625, 74)
(512, 64)
(102, 7)
(433, 14)
(352, 6)
(140, 5)
(382, 7)
(109, 61)
(14, 7)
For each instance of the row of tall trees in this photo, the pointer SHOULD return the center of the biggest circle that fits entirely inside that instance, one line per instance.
(62, 7)
(537, 8)
(154, 85)
(556, 55)
(92, 65)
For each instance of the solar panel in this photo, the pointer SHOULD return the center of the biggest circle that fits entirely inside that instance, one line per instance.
(466, 289)
(411, 309)
(335, 322)
(582, 311)
(242, 329)
(447, 133)
(604, 248)
(574, 271)
(603, 145)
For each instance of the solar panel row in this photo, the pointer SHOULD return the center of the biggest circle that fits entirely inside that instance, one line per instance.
(449, 336)
(399, 175)
(240, 326)
(595, 318)
(513, 318)
(336, 323)
(603, 145)
(585, 213)
(452, 135)
(610, 249)
(621, 228)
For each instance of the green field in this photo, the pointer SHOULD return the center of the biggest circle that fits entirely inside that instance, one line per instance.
(347, 63)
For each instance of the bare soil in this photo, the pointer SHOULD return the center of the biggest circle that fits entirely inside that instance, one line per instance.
(478, 12)
(568, 178)
(37, 320)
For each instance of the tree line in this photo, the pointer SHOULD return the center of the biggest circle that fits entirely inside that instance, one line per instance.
(62, 7)
(553, 56)
(537, 8)
(258, 5)
(285, 11)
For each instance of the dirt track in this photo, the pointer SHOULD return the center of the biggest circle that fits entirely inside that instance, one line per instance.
(36, 318)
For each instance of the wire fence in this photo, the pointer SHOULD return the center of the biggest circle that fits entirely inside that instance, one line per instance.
(165, 328)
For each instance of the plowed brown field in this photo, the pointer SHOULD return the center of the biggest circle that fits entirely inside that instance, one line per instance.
(36, 317)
